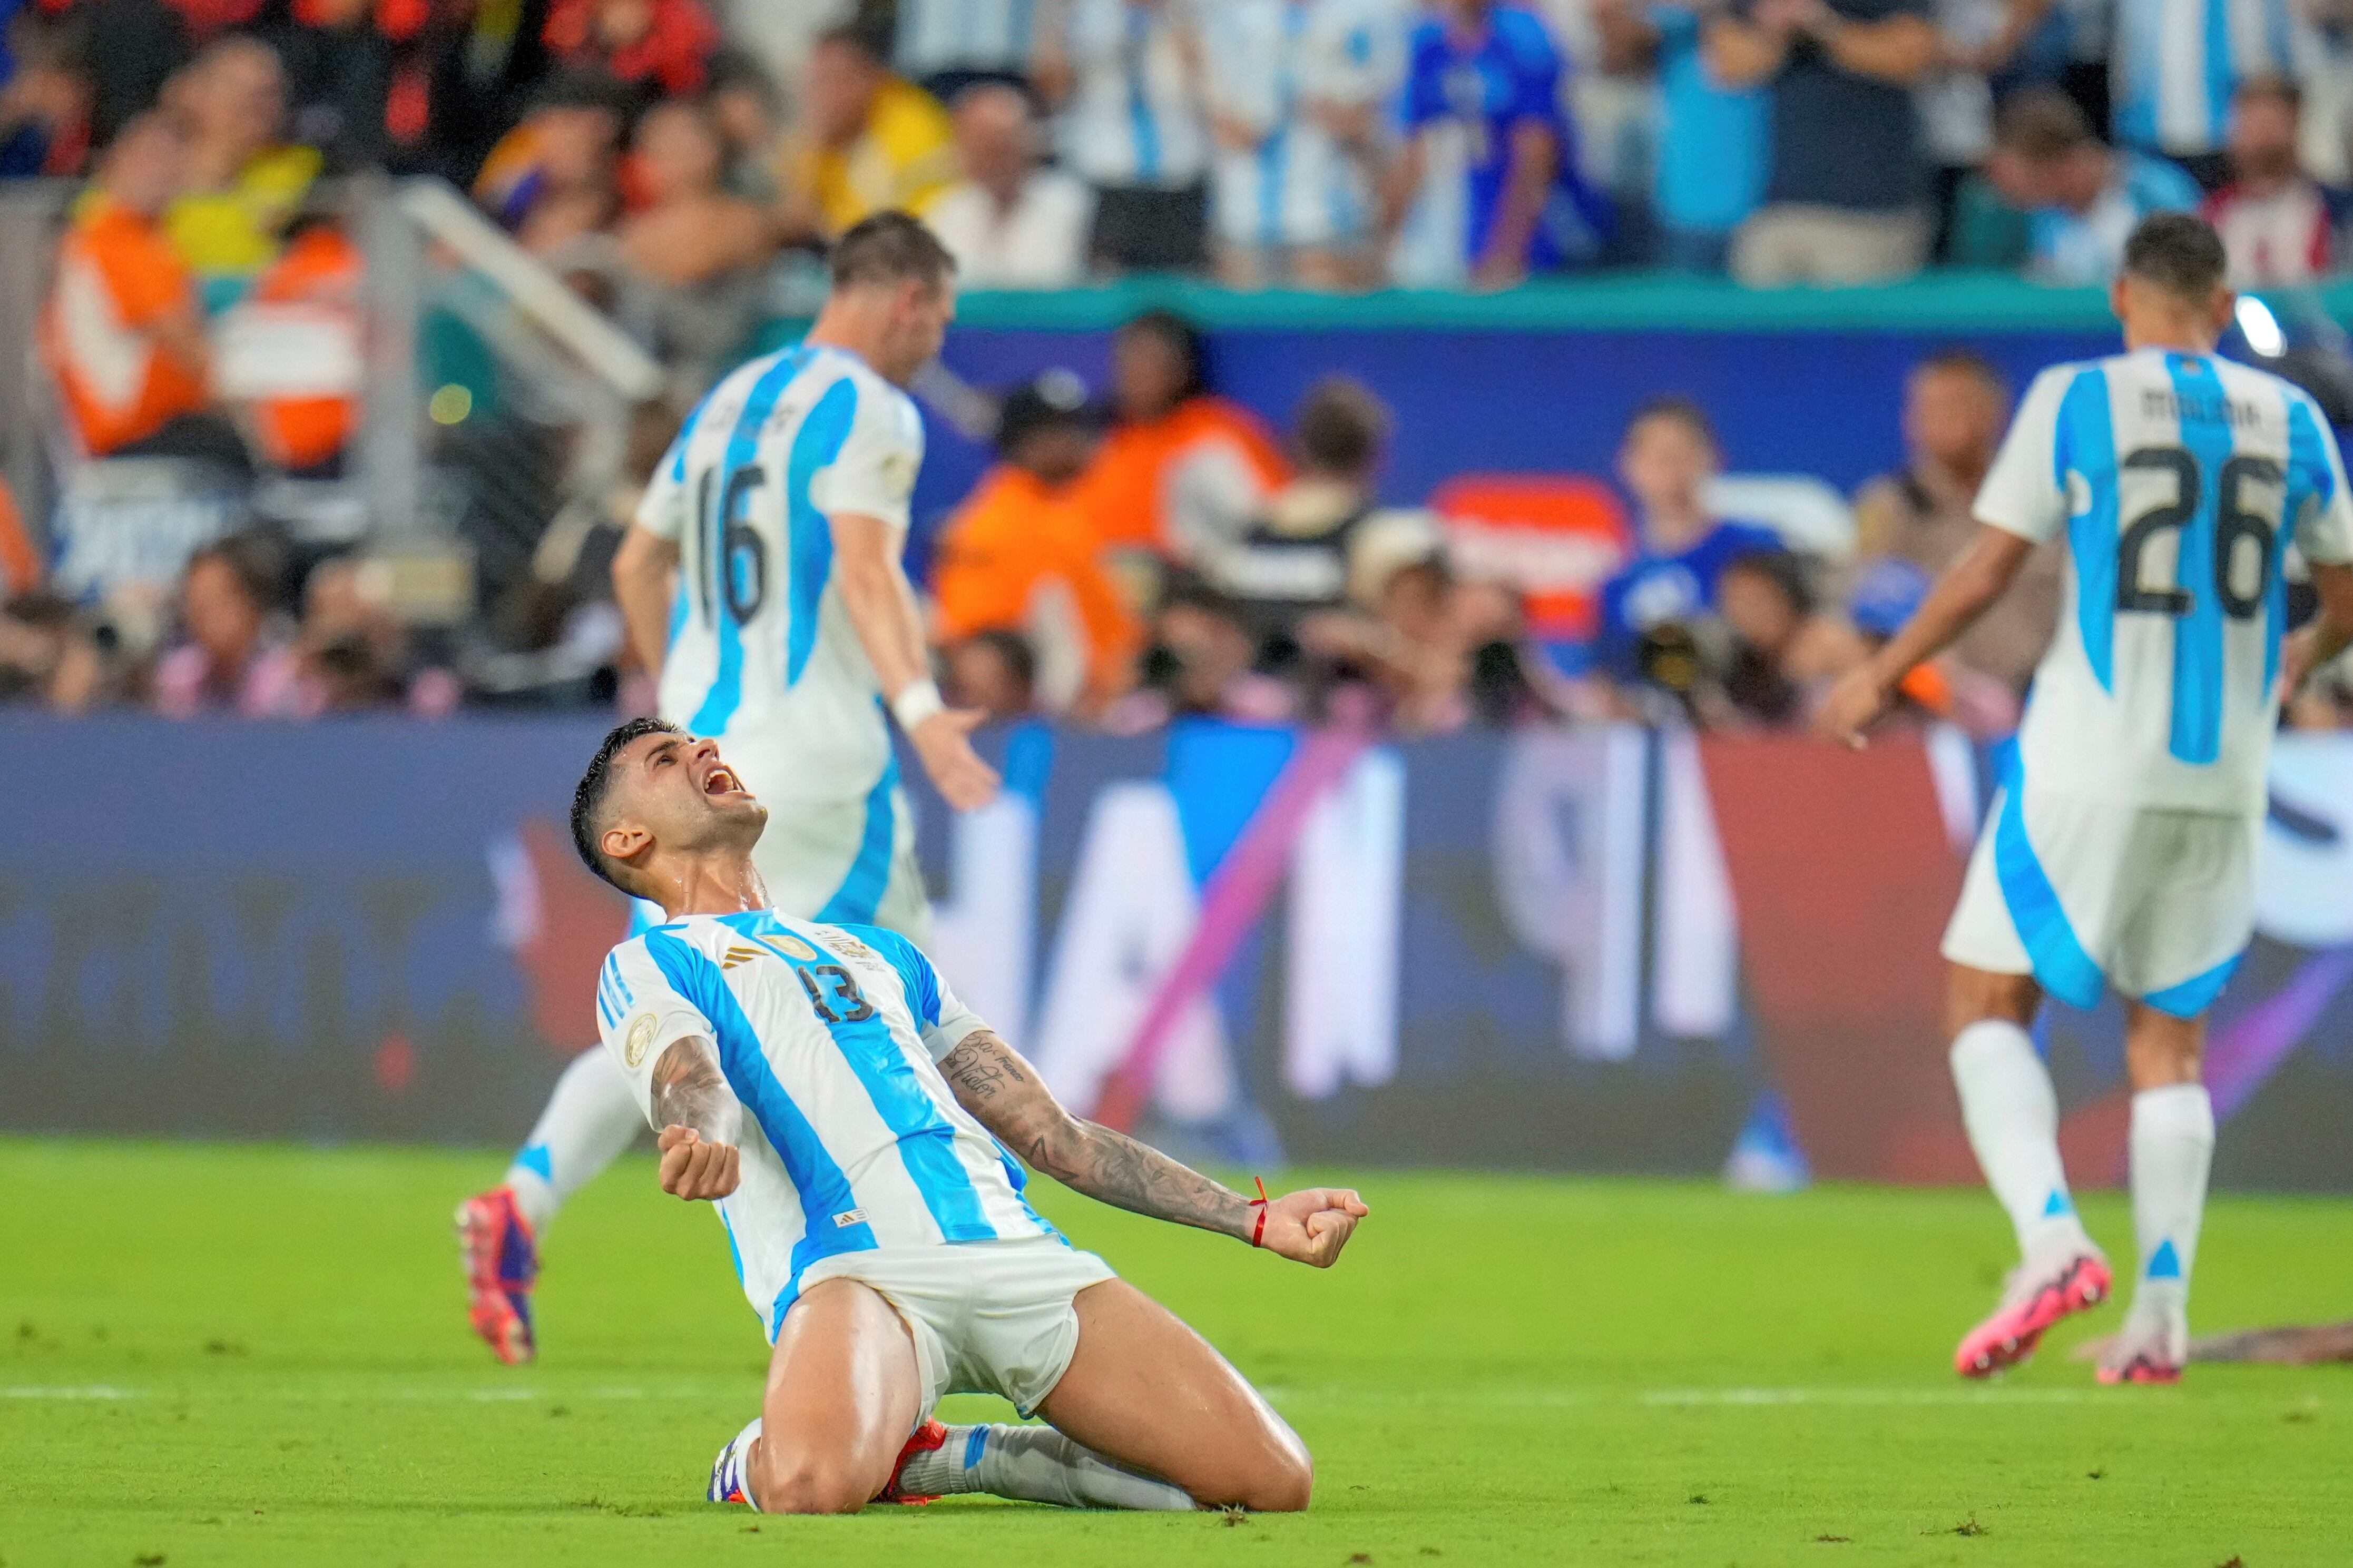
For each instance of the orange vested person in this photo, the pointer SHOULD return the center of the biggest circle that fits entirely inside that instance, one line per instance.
(122, 328)
(1020, 554)
(1184, 472)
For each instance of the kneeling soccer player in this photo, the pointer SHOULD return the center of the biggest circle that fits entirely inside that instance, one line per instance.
(823, 1086)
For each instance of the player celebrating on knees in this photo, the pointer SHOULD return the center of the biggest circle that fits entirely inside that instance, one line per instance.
(825, 1087)
(762, 583)
(2121, 848)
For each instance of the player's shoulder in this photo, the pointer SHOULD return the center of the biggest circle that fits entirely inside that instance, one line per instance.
(2252, 384)
(875, 404)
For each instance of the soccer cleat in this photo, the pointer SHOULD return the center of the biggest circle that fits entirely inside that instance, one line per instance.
(2037, 1296)
(929, 1437)
(501, 1263)
(730, 1472)
(2151, 1349)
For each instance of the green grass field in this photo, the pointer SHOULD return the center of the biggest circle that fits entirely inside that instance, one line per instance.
(257, 1355)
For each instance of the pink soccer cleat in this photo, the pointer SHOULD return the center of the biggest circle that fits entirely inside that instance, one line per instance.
(929, 1437)
(501, 1263)
(2038, 1295)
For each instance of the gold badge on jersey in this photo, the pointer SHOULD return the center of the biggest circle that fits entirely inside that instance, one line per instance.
(791, 946)
(899, 473)
(843, 942)
(640, 1037)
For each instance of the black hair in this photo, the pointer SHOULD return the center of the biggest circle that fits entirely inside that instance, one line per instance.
(2042, 123)
(863, 37)
(891, 246)
(1056, 400)
(1341, 425)
(582, 88)
(1969, 363)
(1783, 569)
(1020, 658)
(588, 799)
(2178, 252)
(1685, 410)
(256, 559)
(1183, 339)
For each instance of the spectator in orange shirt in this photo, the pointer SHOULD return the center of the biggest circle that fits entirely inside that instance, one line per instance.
(1019, 557)
(305, 424)
(121, 330)
(1184, 472)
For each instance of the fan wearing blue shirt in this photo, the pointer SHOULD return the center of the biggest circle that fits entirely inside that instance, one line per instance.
(1666, 459)
(2083, 199)
(1487, 190)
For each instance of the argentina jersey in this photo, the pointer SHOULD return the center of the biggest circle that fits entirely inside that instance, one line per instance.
(828, 1035)
(2174, 65)
(1277, 66)
(2179, 481)
(763, 654)
(1135, 116)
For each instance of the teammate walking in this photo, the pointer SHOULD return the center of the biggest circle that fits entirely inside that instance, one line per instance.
(850, 1117)
(2121, 849)
(762, 583)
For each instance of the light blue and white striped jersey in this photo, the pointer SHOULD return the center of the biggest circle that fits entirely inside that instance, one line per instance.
(937, 35)
(1134, 113)
(829, 1036)
(1272, 64)
(2179, 480)
(763, 655)
(2173, 65)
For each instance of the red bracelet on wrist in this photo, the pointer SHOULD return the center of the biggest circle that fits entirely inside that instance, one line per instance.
(1258, 1203)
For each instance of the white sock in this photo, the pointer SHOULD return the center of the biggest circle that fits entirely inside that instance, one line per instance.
(1034, 1464)
(2012, 1115)
(589, 1121)
(2172, 1150)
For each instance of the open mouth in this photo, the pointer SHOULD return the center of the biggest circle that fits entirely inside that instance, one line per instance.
(722, 780)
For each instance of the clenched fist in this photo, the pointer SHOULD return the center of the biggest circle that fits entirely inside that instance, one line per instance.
(692, 1169)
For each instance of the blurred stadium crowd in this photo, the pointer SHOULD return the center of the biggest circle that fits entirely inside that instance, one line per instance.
(683, 164)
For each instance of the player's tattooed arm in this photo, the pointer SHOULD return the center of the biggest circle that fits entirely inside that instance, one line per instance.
(1008, 1098)
(697, 1114)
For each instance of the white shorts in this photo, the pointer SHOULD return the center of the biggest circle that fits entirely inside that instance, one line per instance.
(2083, 894)
(987, 1317)
(843, 862)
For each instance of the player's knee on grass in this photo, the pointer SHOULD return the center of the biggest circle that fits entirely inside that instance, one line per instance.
(1273, 1475)
(1283, 1486)
(784, 1480)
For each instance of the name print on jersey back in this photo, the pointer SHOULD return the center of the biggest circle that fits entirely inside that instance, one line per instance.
(2178, 480)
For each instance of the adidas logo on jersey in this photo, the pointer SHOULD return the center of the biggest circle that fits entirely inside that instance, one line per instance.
(735, 955)
(849, 1217)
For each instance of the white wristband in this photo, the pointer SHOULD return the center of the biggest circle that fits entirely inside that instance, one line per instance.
(918, 702)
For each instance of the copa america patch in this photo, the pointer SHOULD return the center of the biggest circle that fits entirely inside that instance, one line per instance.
(641, 1035)
(897, 472)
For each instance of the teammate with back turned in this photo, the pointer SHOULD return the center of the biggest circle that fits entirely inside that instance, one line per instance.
(2121, 849)
(762, 583)
(826, 1088)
